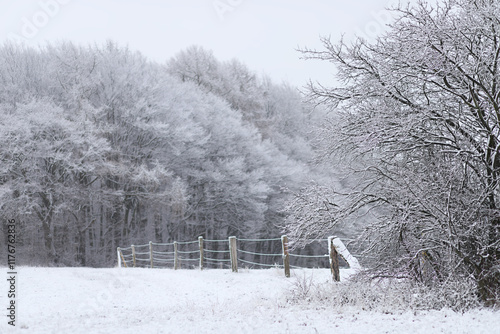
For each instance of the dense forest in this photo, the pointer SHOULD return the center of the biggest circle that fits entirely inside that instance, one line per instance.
(103, 148)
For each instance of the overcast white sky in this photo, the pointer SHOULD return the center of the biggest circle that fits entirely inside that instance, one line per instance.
(261, 33)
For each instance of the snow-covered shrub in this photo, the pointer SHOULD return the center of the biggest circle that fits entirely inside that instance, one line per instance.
(386, 295)
(303, 289)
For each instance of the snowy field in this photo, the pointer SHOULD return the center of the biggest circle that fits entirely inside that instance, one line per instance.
(84, 300)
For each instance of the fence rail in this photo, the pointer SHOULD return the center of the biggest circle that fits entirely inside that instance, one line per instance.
(205, 252)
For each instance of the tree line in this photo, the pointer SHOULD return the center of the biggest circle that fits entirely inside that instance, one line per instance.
(103, 148)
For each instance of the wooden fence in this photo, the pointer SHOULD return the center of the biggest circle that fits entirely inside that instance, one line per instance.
(205, 253)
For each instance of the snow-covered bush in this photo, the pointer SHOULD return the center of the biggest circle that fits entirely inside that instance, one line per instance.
(385, 295)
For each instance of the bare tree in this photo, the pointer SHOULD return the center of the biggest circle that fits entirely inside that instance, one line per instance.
(419, 115)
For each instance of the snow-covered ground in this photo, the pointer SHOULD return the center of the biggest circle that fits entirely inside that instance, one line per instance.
(84, 300)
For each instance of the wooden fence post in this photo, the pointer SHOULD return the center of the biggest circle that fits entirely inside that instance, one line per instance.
(133, 255)
(119, 257)
(334, 260)
(233, 252)
(200, 241)
(151, 253)
(120, 254)
(176, 258)
(344, 253)
(286, 255)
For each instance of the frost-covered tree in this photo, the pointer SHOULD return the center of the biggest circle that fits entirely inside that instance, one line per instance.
(47, 161)
(197, 65)
(275, 111)
(103, 148)
(418, 116)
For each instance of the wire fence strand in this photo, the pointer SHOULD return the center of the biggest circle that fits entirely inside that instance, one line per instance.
(257, 240)
(309, 256)
(163, 244)
(165, 259)
(259, 264)
(215, 251)
(139, 246)
(187, 242)
(156, 252)
(260, 254)
(188, 252)
(141, 253)
(216, 260)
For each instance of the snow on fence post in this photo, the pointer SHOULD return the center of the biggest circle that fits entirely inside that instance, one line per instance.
(344, 252)
(233, 253)
(119, 257)
(334, 260)
(176, 258)
(151, 253)
(133, 254)
(200, 241)
(286, 255)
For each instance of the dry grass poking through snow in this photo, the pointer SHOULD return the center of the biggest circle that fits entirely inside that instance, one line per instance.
(386, 296)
